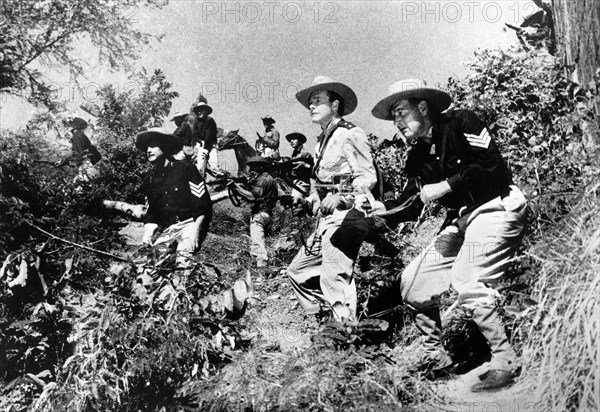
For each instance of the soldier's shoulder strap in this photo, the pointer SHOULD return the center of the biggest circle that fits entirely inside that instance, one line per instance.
(346, 124)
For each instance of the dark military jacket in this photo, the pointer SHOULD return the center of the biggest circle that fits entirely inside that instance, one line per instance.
(302, 173)
(464, 154)
(265, 193)
(206, 133)
(175, 193)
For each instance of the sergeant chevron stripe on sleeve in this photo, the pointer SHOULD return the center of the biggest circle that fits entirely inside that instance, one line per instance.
(197, 189)
(482, 140)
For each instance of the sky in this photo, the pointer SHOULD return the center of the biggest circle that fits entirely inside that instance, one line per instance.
(250, 58)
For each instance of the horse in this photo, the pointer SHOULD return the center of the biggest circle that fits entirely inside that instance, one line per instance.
(231, 140)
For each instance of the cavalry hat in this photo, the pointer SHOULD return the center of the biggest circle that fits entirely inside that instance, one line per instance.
(178, 115)
(169, 143)
(301, 138)
(76, 123)
(201, 105)
(259, 161)
(409, 89)
(328, 84)
(268, 119)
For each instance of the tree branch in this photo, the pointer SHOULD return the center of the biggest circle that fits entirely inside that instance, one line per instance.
(42, 49)
(122, 259)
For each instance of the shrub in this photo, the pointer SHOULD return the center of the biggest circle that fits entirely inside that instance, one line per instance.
(529, 106)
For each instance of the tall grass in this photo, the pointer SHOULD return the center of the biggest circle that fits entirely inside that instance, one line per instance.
(562, 354)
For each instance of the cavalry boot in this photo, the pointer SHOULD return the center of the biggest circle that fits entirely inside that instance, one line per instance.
(491, 327)
(429, 323)
(504, 358)
(436, 362)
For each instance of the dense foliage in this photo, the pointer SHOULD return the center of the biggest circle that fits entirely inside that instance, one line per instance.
(544, 123)
(121, 116)
(111, 348)
(41, 34)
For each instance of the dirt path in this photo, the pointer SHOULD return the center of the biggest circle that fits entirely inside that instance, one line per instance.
(280, 324)
(458, 395)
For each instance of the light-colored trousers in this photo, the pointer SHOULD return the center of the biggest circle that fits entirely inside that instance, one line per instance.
(259, 224)
(469, 257)
(322, 273)
(183, 232)
(204, 158)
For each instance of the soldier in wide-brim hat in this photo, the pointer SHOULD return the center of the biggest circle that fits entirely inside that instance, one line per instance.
(321, 272)
(83, 152)
(303, 163)
(454, 161)
(199, 135)
(179, 204)
(268, 145)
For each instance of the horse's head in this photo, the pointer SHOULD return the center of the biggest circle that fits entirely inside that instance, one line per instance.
(231, 140)
(228, 139)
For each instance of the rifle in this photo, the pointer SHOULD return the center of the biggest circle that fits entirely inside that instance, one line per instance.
(285, 168)
(287, 202)
(234, 196)
(291, 164)
(224, 181)
(340, 184)
(339, 188)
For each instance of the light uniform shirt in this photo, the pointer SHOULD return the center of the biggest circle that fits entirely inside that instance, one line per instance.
(346, 152)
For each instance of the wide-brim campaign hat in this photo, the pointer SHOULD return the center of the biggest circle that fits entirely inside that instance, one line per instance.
(328, 84)
(199, 106)
(259, 161)
(76, 123)
(168, 142)
(411, 89)
(268, 119)
(178, 115)
(301, 138)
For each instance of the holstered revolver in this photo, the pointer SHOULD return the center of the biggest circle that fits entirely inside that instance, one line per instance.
(341, 184)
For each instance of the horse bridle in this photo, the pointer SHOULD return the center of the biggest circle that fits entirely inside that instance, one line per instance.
(229, 145)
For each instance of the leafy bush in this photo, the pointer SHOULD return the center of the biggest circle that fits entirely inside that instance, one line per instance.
(537, 116)
(131, 351)
(42, 204)
(144, 105)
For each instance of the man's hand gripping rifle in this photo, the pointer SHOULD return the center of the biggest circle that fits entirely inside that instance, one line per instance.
(231, 182)
(284, 170)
